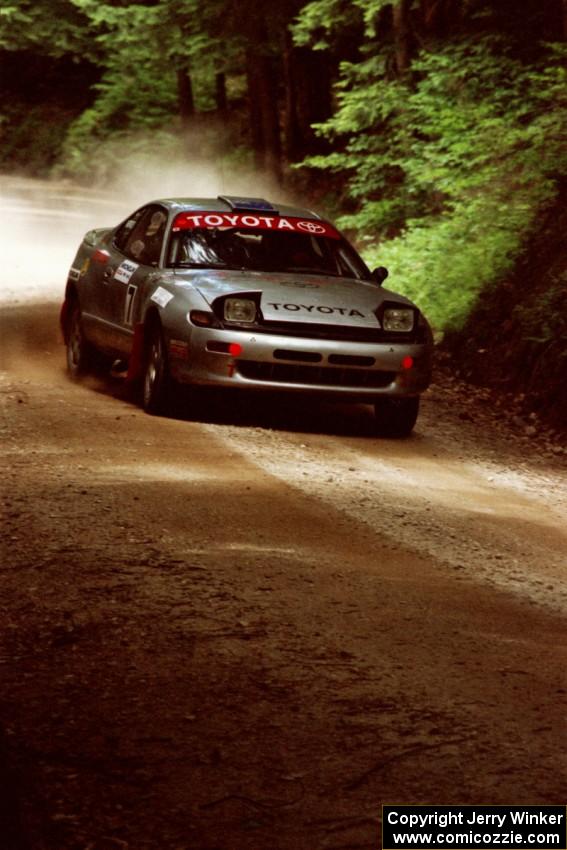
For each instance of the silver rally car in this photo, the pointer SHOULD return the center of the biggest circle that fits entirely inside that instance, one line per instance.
(236, 292)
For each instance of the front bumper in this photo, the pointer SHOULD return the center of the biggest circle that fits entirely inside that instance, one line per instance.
(277, 363)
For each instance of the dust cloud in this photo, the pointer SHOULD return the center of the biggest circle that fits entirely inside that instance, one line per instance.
(43, 221)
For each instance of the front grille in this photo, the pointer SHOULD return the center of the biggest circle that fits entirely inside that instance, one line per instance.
(308, 330)
(288, 373)
(305, 356)
(305, 330)
(351, 360)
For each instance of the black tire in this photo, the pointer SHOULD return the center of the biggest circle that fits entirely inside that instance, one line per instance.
(396, 417)
(80, 354)
(156, 381)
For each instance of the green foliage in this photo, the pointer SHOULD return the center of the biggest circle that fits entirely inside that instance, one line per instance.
(444, 263)
(164, 34)
(51, 27)
(44, 124)
(456, 162)
(141, 48)
(321, 21)
(125, 107)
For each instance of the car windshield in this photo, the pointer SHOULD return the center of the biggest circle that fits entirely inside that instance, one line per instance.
(261, 250)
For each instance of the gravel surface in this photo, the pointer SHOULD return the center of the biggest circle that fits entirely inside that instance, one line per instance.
(252, 624)
(467, 488)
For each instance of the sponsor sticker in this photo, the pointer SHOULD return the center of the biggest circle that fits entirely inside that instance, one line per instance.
(303, 311)
(129, 303)
(161, 296)
(312, 227)
(300, 284)
(125, 271)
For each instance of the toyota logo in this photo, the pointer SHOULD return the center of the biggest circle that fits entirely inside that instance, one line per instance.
(310, 226)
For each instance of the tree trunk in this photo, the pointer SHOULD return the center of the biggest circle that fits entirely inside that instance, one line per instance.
(292, 135)
(264, 114)
(307, 98)
(185, 97)
(402, 35)
(255, 118)
(270, 119)
(440, 18)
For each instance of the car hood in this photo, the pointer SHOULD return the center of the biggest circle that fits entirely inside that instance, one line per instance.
(295, 298)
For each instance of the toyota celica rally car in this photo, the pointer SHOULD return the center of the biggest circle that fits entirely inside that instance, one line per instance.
(235, 292)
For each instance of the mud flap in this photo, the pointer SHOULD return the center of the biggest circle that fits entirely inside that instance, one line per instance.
(136, 362)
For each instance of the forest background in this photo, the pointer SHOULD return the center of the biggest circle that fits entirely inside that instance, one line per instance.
(434, 130)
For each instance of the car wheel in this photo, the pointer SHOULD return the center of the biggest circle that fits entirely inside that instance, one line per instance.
(156, 381)
(79, 351)
(395, 417)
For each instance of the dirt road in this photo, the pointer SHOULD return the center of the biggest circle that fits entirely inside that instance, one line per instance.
(252, 629)
(251, 625)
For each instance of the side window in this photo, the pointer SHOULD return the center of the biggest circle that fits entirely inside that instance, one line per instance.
(125, 231)
(144, 240)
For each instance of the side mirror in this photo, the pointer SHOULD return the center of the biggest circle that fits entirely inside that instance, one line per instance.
(380, 274)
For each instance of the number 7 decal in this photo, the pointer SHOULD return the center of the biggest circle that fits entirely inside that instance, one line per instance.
(130, 295)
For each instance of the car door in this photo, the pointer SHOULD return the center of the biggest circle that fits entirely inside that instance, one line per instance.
(135, 254)
(97, 292)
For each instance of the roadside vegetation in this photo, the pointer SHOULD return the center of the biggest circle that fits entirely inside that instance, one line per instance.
(435, 130)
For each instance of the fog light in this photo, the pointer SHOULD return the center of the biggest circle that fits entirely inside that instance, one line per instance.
(232, 348)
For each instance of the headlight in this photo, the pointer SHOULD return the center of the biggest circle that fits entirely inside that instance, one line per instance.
(398, 319)
(240, 310)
